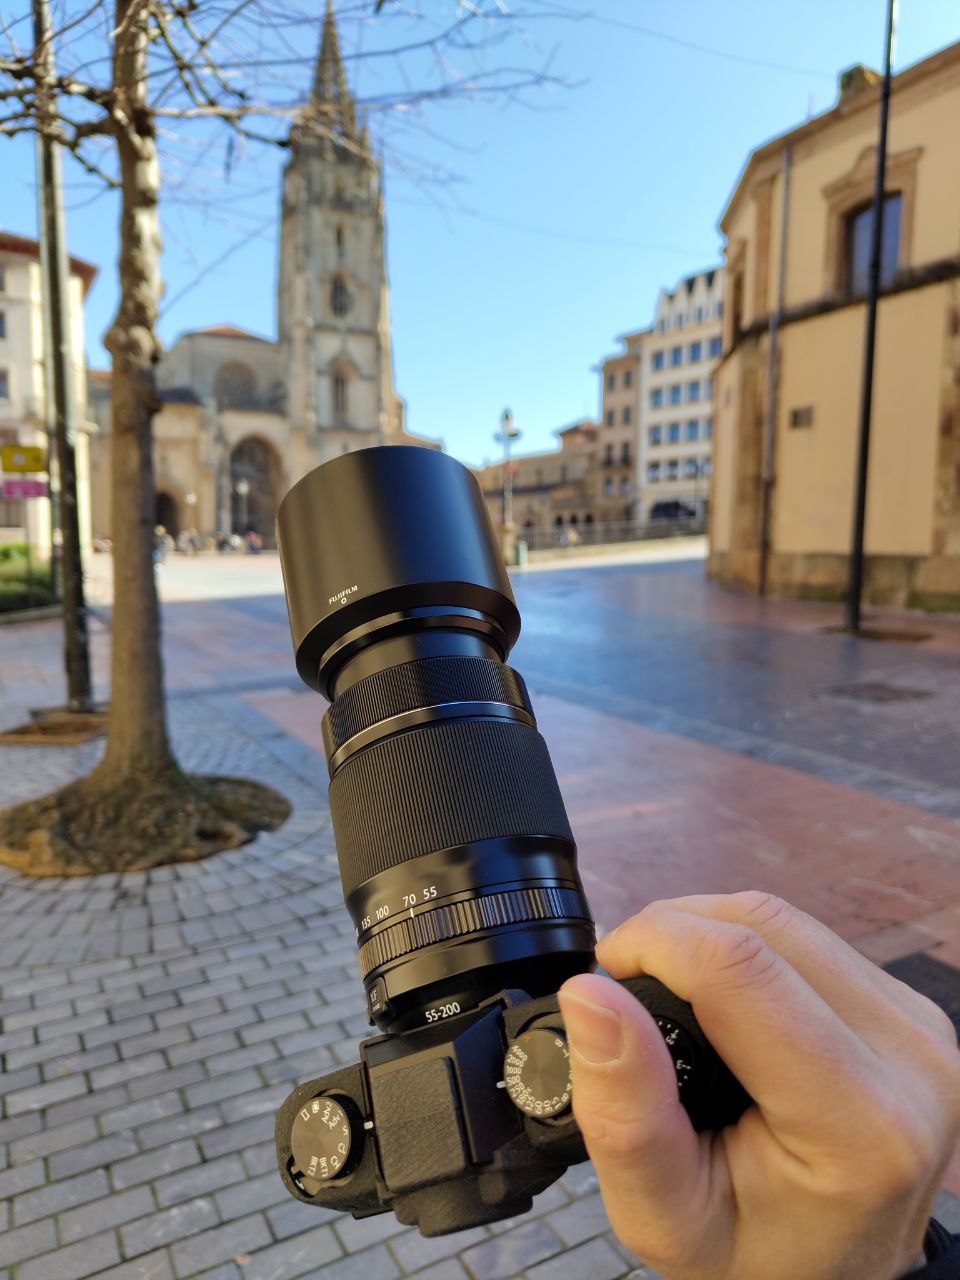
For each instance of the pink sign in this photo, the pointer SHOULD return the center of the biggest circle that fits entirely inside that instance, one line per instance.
(14, 490)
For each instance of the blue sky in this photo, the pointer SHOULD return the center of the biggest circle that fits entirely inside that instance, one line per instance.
(563, 214)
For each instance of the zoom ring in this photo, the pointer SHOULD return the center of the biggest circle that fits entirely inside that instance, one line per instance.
(425, 682)
(457, 919)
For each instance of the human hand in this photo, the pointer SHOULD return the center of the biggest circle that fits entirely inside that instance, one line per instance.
(855, 1077)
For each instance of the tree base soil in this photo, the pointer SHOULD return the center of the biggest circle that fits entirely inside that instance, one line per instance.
(103, 823)
(56, 729)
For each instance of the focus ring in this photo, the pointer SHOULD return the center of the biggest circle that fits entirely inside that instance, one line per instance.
(425, 682)
(449, 784)
(457, 919)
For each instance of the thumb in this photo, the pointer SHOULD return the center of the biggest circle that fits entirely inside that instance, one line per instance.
(647, 1156)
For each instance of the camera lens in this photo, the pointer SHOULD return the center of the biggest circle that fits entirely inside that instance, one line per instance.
(456, 857)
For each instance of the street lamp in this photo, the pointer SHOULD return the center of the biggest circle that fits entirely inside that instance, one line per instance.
(243, 488)
(506, 435)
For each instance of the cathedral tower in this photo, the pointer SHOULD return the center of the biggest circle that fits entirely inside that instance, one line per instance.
(332, 306)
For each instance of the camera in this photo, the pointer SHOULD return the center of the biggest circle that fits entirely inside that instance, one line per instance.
(457, 862)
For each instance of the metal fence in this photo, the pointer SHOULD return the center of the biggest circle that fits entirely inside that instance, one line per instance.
(598, 535)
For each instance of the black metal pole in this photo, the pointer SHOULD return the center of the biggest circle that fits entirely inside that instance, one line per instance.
(53, 255)
(855, 581)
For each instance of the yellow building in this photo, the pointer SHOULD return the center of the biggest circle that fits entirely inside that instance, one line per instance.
(806, 440)
(551, 491)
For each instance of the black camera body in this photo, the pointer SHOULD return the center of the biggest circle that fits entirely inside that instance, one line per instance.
(457, 862)
(464, 1121)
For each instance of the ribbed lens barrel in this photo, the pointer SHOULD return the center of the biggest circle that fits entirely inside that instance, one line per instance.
(456, 856)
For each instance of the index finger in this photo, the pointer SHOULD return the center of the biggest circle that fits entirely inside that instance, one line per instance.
(807, 1071)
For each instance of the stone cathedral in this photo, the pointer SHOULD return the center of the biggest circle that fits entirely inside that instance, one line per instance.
(244, 417)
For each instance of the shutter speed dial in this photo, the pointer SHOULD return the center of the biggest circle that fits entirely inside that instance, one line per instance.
(536, 1073)
(321, 1139)
(536, 1070)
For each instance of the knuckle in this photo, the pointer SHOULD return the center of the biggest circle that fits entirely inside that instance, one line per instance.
(613, 1137)
(940, 1024)
(909, 1156)
(736, 954)
(760, 910)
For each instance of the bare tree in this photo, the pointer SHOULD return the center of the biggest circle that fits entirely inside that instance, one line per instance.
(127, 73)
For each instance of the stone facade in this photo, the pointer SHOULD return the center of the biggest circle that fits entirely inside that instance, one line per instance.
(805, 442)
(23, 409)
(245, 416)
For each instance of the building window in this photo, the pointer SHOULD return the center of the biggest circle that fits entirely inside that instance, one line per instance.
(696, 352)
(656, 397)
(657, 361)
(858, 227)
(675, 393)
(698, 318)
(626, 414)
(628, 377)
(608, 487)
(625, 454)
(690, 468)
(3, 279)
(3, 324)
(708, 428)
(655, 435)
(653, 472)
(609, 418)
(706, 467)
(676, 356)
(588, 518)
(693, 392)
(608, 456)
(673, 433)
(625, 486)
(4, 384)
(673, 469)
(678, 322)
(340, 397)
(340, 244)
(558, 521)
(339, 296)
(611, 381)
(716, 346)
(692, 431)
(802, 417)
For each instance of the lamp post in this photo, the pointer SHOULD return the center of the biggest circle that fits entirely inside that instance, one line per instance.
(506, 436)
(243, 489)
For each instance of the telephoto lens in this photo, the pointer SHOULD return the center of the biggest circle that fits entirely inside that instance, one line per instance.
(456, 857)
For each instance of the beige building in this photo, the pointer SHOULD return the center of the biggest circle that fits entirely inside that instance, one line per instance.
(245, 416)
(620, 384)
(553, 490)
(680, 354)
(23, 410)
(827, 167)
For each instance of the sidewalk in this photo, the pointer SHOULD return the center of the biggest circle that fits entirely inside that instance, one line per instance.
(153, 1022)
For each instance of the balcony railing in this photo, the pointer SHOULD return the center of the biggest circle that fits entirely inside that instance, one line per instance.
(596, 535)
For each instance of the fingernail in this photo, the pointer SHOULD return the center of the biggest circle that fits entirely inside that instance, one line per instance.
(595, 1032)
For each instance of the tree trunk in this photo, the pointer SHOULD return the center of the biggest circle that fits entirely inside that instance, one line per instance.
(137, 741)
(137, 809)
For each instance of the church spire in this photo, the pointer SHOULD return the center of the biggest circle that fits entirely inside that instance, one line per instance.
(331, 98)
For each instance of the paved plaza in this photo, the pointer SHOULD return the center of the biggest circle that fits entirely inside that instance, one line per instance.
(152, 1022)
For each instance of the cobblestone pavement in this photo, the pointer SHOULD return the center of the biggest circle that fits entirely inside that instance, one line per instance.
(151, 1023)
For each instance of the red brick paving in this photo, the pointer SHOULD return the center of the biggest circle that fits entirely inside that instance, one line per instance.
(658, 816)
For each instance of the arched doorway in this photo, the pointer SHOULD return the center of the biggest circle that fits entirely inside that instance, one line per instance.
(256, 485)
(166, 512)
